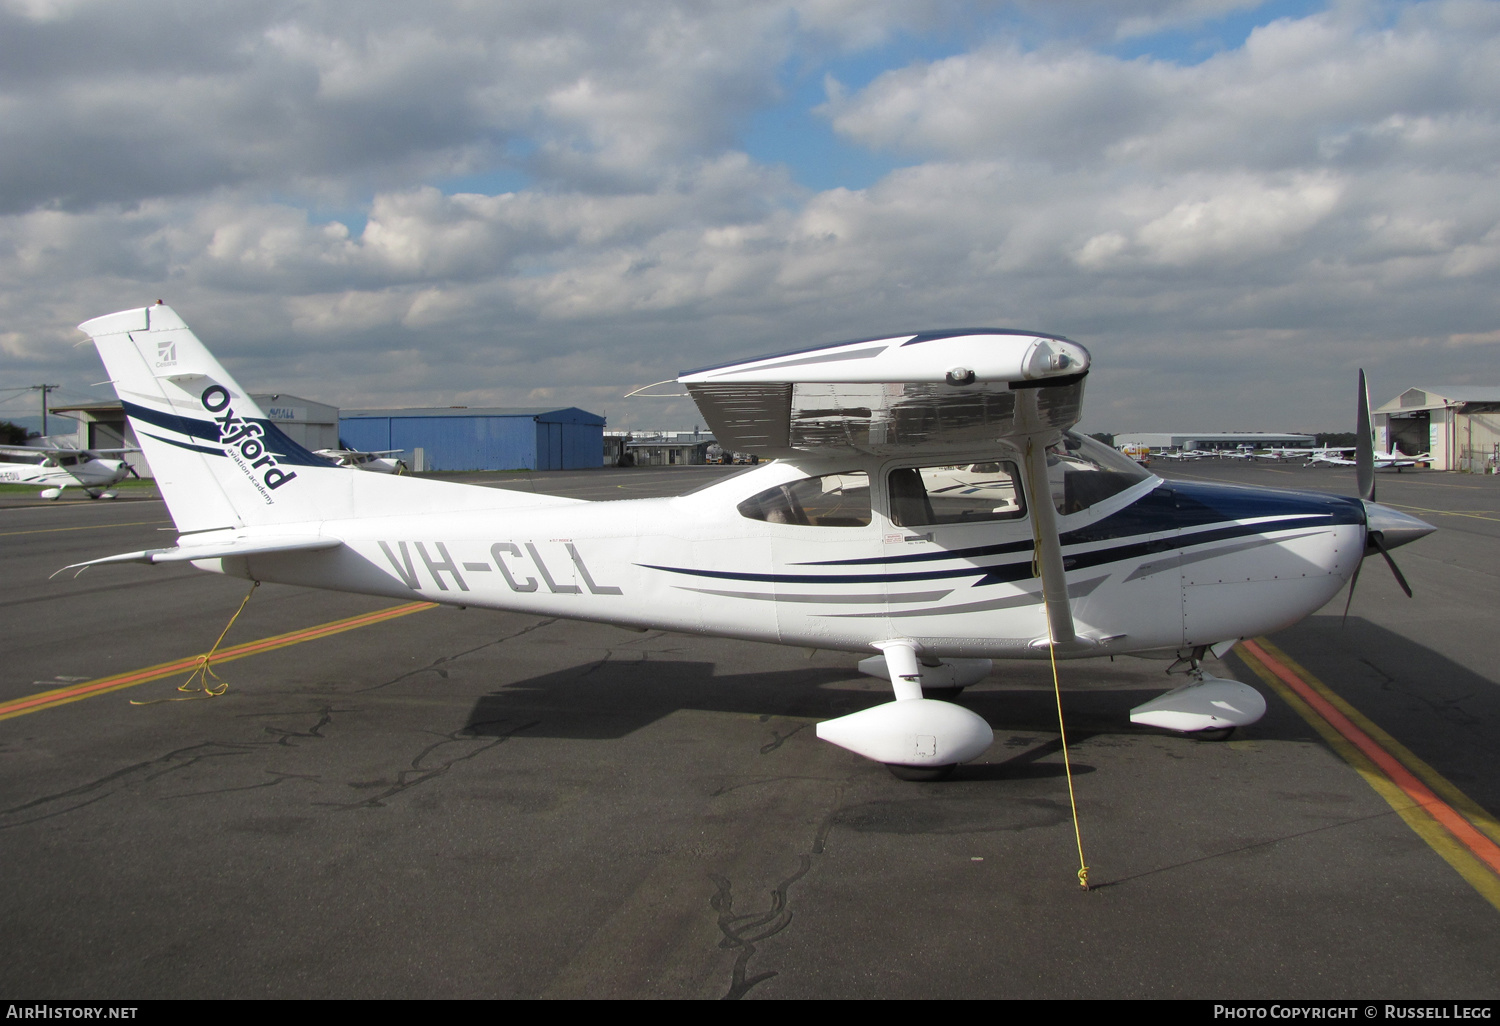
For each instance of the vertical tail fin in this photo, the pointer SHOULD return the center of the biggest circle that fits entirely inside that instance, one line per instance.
(220, 463)
(217, 458)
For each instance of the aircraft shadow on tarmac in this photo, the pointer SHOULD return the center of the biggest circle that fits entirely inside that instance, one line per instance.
(1445, 713)
(611, 700)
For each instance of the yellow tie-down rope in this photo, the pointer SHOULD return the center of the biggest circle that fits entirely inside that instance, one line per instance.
(1036, 571)
(202, 671)
(1083, 869)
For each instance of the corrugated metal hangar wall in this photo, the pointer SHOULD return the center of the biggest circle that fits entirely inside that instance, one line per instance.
(493, 438)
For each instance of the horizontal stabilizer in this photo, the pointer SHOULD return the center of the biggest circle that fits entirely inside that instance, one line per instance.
(216, 550)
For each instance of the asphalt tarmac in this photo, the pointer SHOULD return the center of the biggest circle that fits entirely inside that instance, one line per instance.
(460, 803)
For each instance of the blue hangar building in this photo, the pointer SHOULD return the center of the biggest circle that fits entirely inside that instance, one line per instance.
(480, 438)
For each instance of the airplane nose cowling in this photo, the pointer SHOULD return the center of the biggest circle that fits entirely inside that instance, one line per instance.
(1395, 528)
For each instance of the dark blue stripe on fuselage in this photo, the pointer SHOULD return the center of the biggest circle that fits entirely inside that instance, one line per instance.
(1168, 508)
(1173, 506)
(1178, 505)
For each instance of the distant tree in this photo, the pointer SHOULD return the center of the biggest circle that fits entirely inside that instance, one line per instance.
(1330, 439)
(14, 434)
(1107, 437)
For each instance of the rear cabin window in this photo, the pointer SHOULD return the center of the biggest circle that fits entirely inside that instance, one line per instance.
(833, 500)
(963, 494)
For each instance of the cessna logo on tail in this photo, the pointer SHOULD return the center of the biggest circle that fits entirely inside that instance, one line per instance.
(244, 436)
(166, 354)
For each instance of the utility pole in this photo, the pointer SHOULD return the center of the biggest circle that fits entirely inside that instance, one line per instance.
(44, 389)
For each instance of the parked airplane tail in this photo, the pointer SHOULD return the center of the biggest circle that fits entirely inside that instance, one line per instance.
(220, 462)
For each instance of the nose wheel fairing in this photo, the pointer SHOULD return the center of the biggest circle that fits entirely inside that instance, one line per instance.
(1205, 703)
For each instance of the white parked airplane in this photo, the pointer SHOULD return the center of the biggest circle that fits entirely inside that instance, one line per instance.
(59, 467)
(849, 540)
(380, 462)
(1381, 460)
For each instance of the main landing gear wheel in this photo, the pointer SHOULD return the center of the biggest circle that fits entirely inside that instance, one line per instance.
(1215, 734)
(921, 774)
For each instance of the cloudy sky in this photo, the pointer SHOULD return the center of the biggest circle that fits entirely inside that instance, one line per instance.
(1232, 204)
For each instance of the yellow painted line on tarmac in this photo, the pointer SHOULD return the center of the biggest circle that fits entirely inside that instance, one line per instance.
(1476, 514)
(87, 527)
(1452, 823)
(104, 685)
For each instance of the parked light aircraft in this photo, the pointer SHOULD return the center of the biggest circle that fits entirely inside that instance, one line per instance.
(1380, 460)
(60, 467)
(850, 540)
(381, 461)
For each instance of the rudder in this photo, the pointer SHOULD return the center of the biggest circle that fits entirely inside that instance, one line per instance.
(218, 460)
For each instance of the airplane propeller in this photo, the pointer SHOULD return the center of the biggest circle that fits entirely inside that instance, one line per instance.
(1385, 528)
(1364, 444)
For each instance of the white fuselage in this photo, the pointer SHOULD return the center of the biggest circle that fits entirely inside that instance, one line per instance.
(1155, 567)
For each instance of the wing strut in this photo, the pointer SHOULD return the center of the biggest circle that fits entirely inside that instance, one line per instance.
(1048, 546)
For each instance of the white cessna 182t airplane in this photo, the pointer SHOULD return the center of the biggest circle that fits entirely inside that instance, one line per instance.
(854, 538)
(59, 467)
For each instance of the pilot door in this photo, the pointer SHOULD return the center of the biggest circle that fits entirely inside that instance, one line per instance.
(957, 544)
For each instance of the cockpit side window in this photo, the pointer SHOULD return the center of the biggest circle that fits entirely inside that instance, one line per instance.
(964, 494)
(833, 500)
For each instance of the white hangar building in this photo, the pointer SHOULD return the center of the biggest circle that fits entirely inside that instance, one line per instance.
(1458, 424)
(1159, 440)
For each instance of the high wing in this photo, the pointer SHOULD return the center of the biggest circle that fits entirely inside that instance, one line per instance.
(933, 392)
(930, 391)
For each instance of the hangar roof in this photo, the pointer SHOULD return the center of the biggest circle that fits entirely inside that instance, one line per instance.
(568, 414)
(1440, 396)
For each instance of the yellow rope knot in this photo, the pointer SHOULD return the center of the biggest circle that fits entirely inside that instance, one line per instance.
(202, 670)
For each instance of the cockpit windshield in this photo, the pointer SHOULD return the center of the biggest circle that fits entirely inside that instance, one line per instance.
(1083, 471)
